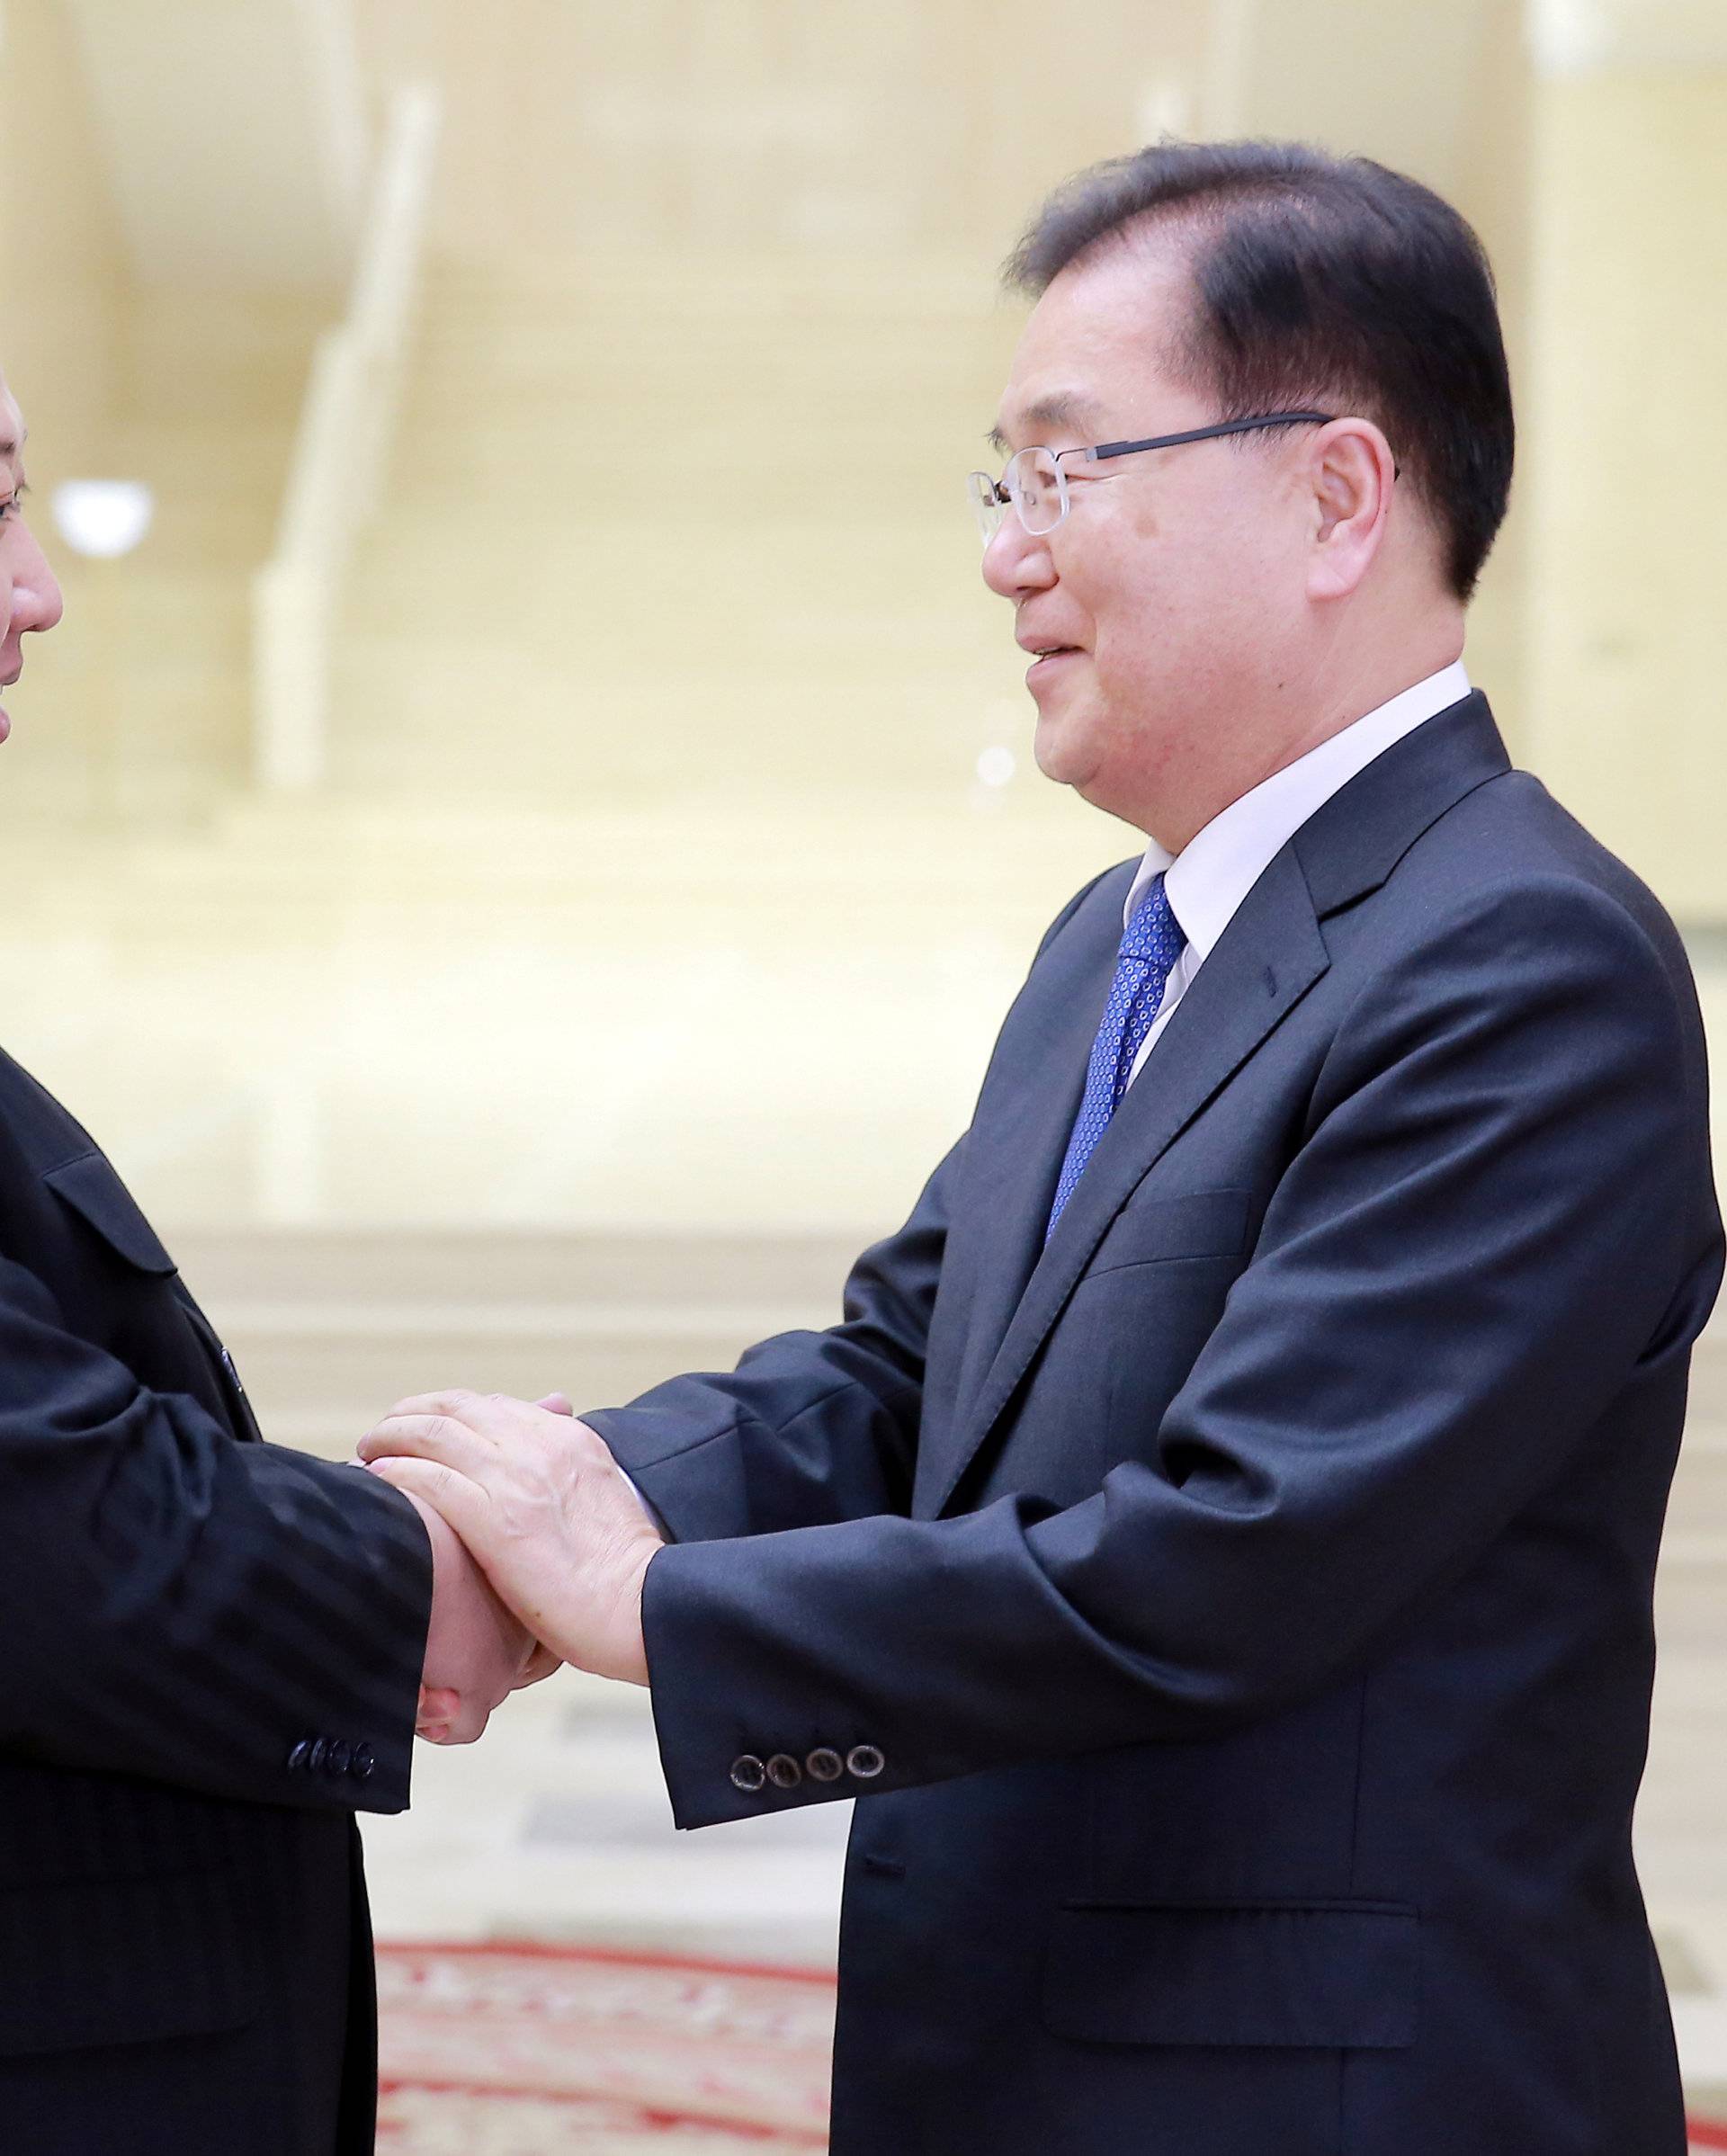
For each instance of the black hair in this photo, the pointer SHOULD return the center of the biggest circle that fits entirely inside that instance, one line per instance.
(1320, 278)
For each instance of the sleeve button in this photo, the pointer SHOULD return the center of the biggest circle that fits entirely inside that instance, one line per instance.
(336, 1760)
(824, 1764)
(866, 1761)
(316, 1756)
(783, 1771)
(748, 1774)
(362, 1762)
(297, 1758)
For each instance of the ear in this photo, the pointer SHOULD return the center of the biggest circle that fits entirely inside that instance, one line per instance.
(1351, 472)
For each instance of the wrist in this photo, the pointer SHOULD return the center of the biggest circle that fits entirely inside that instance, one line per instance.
(446, 1545)
(634, 1640)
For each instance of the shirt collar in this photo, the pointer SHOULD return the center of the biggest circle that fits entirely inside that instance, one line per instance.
(1220, 865)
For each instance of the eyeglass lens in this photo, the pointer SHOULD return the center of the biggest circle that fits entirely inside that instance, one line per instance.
(1033, 483)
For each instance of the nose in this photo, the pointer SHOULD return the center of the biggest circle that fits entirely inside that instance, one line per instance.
(1015, 562)
(37, 604)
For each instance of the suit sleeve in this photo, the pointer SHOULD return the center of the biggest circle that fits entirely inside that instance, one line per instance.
(182, 1606)
(1494, 1214)
(812, 1427)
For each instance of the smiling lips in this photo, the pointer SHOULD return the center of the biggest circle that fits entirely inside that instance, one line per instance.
(1044, 655)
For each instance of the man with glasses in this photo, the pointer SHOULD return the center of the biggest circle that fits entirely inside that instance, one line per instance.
(1216, 1547)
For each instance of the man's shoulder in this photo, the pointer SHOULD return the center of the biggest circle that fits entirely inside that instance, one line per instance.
(36, 1132)
(1511, 849)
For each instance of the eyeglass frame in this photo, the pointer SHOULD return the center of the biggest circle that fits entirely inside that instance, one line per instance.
(988, 493)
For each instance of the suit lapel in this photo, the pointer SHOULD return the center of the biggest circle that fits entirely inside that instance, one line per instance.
(1266, 960)
(1020, 1134)
(222, 1366)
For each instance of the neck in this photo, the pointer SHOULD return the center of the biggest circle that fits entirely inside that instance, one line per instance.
(1293, 716)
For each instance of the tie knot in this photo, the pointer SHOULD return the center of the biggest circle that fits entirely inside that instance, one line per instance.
(1154, 934)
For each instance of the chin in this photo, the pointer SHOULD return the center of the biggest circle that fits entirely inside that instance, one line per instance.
(1062, 753)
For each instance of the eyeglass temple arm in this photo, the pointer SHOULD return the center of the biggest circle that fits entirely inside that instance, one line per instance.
(1204, 433)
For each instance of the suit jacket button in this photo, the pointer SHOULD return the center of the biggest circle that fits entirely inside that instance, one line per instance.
(866, 1761)
(783, 1771)
(315, 1757)
(824, 1764)
(336, 1760)
(297, 1758)
(748, 1774)
(362, 1762)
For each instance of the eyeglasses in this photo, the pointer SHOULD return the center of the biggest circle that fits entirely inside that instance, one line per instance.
(1037, 487)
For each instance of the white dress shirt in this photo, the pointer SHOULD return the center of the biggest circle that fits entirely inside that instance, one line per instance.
(1220, 865)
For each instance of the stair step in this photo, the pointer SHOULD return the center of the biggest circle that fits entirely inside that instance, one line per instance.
(359, 1271)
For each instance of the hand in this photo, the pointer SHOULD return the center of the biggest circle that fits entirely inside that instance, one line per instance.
(441, 1716)
(476, 1652)
(539, 1500)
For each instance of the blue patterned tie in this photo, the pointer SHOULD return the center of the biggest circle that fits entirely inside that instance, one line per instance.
(1149, 952)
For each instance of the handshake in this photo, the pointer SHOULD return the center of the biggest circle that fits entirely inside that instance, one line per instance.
(539, 1547)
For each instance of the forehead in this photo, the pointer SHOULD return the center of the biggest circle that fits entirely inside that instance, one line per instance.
(12, 424)
(1100, 336)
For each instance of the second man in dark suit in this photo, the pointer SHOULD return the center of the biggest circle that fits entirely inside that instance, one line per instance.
(1217, 1544)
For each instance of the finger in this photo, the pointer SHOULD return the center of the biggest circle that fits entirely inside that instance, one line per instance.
(453, 1400)
(465, 1720)
(556, 1403)
(539, 1665)
(468, 1723)
(460, 1501)
(438, 1704)
(428, 1437)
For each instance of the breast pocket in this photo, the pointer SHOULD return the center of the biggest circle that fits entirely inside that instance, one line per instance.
(1199, 1224)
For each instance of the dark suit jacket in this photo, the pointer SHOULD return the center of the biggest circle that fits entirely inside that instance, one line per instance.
(209, 1657)
(1237, 1616)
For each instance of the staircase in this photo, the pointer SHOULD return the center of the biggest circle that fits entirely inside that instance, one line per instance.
(682, 525)
(328, 1329)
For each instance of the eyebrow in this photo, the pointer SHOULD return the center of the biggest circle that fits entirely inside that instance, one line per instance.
(1061, 407)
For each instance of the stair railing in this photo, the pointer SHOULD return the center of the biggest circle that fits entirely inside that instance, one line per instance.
(346, 426)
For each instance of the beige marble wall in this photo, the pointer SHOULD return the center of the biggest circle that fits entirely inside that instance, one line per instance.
(59, 255)
(690, 130)
(778, 123)
(1628, 468)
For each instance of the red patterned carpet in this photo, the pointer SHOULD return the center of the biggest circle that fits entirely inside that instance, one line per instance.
(550, 2051)
(536, 2051)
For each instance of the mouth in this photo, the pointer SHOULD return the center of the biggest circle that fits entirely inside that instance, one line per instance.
(1048, 658)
